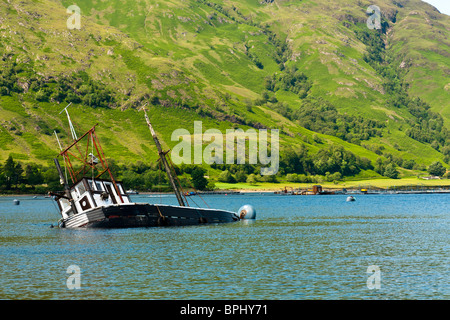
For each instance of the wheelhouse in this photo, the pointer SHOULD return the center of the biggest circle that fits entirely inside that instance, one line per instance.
(90, 193)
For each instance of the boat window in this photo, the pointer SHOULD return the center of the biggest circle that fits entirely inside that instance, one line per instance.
(99, 186)
(120, 188)
(110, 188)
(81, 189)
(91, 184)
(64, 203)
(85, 203)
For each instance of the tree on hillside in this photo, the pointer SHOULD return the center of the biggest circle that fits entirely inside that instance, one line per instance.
(198, 178)
(391, 171)
(12, 173)
(251, 179)
(33, 175)
(241, 176)
(132, 180)
(2, 177)
(436, 169)
(227, 177)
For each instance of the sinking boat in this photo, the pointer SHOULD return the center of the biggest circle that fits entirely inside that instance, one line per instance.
(96, 200)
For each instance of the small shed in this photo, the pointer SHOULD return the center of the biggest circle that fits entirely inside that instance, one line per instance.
(316, 189)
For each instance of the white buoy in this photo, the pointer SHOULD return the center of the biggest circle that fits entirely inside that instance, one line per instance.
(247, 212)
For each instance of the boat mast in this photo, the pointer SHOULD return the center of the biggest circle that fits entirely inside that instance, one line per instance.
(162, 156)
(86, 159)
(66, 185)
(72, 129)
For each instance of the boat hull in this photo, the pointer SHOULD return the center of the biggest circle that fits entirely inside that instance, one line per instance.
(136, 215)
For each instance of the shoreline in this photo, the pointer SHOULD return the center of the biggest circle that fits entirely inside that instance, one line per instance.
(226, 192)
(385, 185)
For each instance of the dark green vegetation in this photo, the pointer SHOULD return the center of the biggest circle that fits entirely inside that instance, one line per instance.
(349, 101)
(329, 165)
(426, 126)
(437, 169)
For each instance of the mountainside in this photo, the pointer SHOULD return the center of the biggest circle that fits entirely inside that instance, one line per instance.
(310, 68)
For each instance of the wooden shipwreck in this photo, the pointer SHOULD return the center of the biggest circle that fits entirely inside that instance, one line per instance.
(92, 198)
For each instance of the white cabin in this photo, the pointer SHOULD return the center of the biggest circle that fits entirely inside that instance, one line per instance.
(92, 193)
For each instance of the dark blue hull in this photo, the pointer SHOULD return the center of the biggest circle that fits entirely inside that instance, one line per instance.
(147, 215)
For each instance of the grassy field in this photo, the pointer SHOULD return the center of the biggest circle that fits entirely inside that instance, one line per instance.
(364, 184)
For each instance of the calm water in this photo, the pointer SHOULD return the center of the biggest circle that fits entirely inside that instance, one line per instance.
(300, 247)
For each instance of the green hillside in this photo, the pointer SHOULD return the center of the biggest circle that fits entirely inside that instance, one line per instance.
(310, 68)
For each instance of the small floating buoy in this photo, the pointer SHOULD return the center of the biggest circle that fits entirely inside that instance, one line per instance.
(247, 212)
(16, 202)
(351, 198)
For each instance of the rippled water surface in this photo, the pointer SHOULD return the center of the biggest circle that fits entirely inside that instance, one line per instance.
(300, 247)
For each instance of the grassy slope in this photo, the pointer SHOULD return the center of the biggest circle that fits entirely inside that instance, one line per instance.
(365, 184)
(188, 50)
(427, 53)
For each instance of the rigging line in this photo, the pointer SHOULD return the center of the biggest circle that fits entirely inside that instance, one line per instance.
(184, 196)
(203, 200)
(72, 129)
(73, 132)
(195, 203)
(159, 181)
(57, 139)
(65, 161)
(56, 208)
(201, 216)
(65, 171)
(198, 194)
(191, 186)
(179, 183)
(160, 214)
(92, 158)
(183, 193)
(61, 148)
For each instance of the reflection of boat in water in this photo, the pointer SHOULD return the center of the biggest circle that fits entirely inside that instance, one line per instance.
(96, 201)
(351, 198)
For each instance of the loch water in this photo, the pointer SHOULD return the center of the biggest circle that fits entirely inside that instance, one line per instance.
(299, 247)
